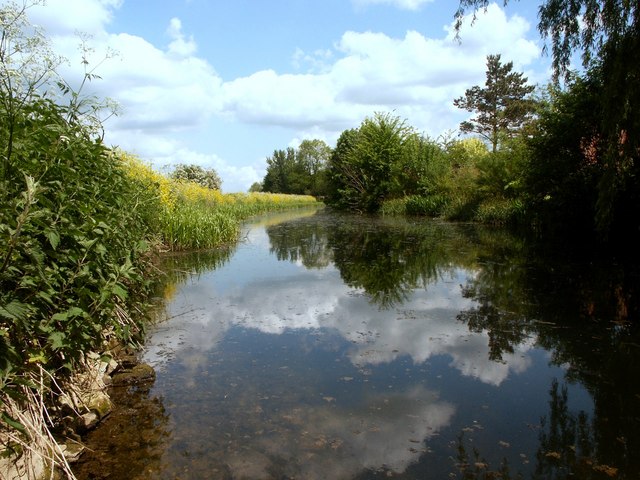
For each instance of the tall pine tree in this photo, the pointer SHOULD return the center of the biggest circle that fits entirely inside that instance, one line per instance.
(502, 105)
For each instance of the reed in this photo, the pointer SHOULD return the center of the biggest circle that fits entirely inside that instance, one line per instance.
(188, 216)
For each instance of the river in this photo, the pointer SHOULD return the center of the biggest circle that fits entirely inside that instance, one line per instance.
(330, 346)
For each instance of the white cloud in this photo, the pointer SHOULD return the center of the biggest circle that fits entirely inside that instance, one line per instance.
(180, 46)
(345, 441)
(65, 17)
(171, 92)
(416, 76)
(423, 328)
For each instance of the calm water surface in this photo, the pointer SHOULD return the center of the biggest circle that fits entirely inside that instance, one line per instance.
(337, 347)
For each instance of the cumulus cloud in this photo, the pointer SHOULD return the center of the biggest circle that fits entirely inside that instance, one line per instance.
(415, 75)
(65, 17)
(172, 91)
(180, 46)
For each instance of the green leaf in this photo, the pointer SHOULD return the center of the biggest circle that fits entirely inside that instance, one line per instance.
(40, 358)
(13, 423)
(106, 358)
(54, 239)
(120, 291)
(57, 340)
(15, 310)
(71, 313)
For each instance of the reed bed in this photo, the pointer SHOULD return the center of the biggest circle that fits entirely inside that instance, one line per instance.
(188, 216)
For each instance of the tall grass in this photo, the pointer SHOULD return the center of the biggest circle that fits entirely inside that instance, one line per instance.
(188, 216)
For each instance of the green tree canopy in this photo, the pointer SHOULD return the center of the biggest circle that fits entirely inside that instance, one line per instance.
(502, 106)
(299, 170)
(369, 158)
(280, 170)
(256, 187)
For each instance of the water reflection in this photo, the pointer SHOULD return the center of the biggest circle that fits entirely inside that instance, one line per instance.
(331, 346)
(422, 327)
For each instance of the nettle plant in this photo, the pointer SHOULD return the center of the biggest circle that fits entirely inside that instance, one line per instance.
(73, 224)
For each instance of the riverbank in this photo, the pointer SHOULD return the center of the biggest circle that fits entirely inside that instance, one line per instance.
(76, 271)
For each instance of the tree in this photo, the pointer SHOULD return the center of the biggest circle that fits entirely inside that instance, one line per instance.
(608, 35)
(298, 171)
(255, 187)
(367, 160)
(336, 178)
(312, 157)
(502, 105)
(207, 178)
(562, 180)
(279, 169)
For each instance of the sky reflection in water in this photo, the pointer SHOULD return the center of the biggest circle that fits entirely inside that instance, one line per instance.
(270, 369)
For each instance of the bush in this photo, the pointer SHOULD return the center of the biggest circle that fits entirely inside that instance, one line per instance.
(70, 243)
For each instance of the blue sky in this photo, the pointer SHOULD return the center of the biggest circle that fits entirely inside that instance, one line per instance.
(224, 83)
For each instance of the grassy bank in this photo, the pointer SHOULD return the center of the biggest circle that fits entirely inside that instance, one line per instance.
(187, 216)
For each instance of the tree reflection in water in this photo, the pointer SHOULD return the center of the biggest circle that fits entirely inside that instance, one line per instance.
(385, 257)
(521, 294)
(568, 449)
(584, 313)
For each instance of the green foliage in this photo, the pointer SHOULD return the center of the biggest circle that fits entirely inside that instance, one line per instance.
(375, 162)
(194, 226)
(300, 171)
(501, 174)
(562, 179)
(256, 187)
(200, 224)
(312, 156)
(280, 171)
(195, 173)
(500, 211)
(422, 167)
(502, 105)
(608, 36)
(335, 173)
(394, 207)
(70, 248)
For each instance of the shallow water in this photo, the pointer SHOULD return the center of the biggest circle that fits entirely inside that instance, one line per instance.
(330, 346)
